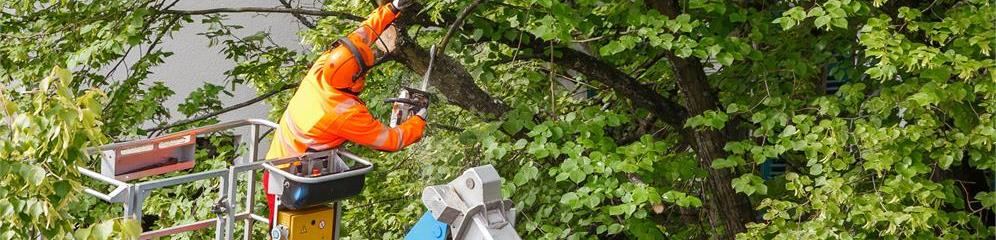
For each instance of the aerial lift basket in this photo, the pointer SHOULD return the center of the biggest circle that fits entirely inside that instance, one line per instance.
(127, 167)
(317, 178)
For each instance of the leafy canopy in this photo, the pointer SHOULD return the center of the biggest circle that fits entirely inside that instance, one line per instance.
(881, 112)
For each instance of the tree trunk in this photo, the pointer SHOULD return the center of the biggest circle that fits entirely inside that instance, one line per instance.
(729, 211)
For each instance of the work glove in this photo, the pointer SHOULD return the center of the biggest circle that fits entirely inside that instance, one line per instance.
(402, 4)
(422, 111)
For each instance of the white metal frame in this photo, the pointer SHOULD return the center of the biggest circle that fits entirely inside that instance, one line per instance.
(132, 195)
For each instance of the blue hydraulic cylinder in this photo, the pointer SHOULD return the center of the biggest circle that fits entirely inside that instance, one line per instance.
(427, 228)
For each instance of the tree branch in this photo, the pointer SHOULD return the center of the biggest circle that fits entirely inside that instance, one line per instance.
(459, 21)
(639, 71)
(627, 86)
(304, 21)
(450, 78)
(224, 110)
(343, 15)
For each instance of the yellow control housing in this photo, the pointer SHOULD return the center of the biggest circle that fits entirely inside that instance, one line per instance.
(308, 224)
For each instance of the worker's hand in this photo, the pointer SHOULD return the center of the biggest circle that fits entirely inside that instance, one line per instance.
(423, 112)
(402, 4)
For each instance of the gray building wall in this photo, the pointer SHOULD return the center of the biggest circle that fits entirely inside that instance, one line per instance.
(194, 63)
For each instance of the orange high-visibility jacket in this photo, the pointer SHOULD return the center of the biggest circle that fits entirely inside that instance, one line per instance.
(325, 111)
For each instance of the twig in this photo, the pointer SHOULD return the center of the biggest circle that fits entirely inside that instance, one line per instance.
(403, 197)
(171, 4)
(343, 15)
(553, 95)
(446, 127)
(304, 21)
(3, 107)
(968, 196)
(224, 110)
(617, 33)
(639, 71)
(152, 46)
(115, 68)
(459, 20)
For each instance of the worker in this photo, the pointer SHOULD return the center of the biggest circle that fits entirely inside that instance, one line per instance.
(325, 112)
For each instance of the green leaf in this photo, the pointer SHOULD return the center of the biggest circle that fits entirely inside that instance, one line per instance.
(925, 98)
(711, 119)
(615, 228)
(728, 162)
(725, 58)
(577, 176)
(788, 131)
(690, 201)
(62, 188)
(617, 210)
(822, 21)
(640, 195)
(34, 175)
(545, 31)
(82, 233)
(733, 108)
(816, 169)
(936, 74)
(749, 184)
(526, 173)
(130, 227)
(816, 12)
(840, 22)
(568, 198)
(988, 199)
(35, 208)
(786, 22)
(521, 143)
(612, 48)
(743, 185)
(512, 126)
(103, 230)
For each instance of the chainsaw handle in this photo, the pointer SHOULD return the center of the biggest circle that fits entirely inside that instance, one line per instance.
(408, 101)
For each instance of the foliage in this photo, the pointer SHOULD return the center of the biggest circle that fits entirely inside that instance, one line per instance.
(573, 180)
(47, 132)
(904, 148)
(871, 152)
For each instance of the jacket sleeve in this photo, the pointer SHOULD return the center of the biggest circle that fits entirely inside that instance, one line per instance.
(375, 24)
(360, 127)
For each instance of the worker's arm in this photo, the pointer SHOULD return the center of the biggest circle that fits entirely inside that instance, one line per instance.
(360, 127)
(375, 24)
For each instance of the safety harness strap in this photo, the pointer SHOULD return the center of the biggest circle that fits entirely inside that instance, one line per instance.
(356, 55)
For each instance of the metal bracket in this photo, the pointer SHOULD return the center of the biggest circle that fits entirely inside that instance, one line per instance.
(221, 206)
(474, 194)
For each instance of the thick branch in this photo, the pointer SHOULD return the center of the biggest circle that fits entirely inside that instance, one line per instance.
(450, 78)
(343, 15)
(641, 95)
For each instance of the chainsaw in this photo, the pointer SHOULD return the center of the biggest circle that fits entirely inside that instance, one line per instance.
(412, 100)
